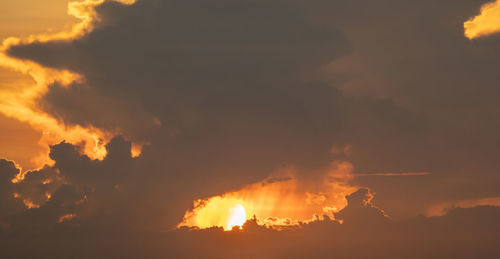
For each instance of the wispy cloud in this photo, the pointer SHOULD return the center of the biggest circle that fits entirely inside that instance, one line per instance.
(393, 174)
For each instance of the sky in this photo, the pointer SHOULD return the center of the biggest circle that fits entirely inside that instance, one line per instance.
(249, 129)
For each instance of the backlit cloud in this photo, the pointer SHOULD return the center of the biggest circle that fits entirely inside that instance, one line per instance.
(20, 102)
(275, 203)
(486, 23)
(167, 123)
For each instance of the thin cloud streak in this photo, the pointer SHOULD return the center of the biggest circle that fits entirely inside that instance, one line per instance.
(394, 174)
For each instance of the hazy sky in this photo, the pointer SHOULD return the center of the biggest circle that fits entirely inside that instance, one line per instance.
(159, 125)
(22, 19)
(27, 17)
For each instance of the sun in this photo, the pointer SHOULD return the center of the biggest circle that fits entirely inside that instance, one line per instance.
(237, 217)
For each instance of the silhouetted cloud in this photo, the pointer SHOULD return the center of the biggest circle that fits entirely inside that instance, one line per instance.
(222, 94)
(462, 233)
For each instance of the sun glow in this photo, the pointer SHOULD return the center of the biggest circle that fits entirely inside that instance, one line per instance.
(237, 217)
(276, 201)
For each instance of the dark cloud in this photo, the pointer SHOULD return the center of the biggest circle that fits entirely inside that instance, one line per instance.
(462, 233)
(225, 92)
(228, 81)
(8, 203)
(200, 68)
(238, 88)
(415, 54)
(101, 208)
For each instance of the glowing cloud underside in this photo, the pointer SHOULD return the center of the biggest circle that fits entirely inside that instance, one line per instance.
(19, 100)
(283, 202)
(486, 23)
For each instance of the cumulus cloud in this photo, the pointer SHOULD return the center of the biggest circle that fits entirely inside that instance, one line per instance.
(222, 94)
(102, 208)
(199, 65)
(211, 83)
(368, 234)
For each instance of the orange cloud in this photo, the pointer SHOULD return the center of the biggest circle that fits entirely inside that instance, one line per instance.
(30, 205)
(486, 23)
(277, 201)
(66, 217)
(19, 99)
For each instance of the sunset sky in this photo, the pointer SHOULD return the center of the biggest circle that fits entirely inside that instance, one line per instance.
(249, 129)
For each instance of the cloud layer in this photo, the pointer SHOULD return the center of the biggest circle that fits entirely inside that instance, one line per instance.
(223, 94)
